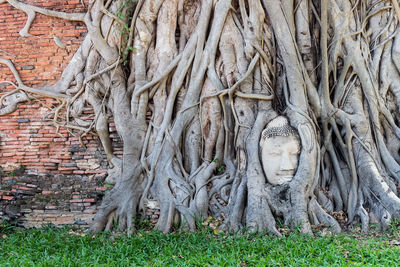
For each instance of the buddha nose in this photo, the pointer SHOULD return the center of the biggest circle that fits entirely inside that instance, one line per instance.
(286, 164)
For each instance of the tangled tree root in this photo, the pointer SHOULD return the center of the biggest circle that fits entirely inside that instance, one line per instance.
(192, 84)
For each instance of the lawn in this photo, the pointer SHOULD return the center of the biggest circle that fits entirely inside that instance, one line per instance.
(68, 247)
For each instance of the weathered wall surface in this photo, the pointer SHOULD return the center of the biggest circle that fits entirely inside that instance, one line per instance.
(37, 200)
(29, 139)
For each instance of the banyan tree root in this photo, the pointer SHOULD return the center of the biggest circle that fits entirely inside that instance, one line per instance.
(191, 85)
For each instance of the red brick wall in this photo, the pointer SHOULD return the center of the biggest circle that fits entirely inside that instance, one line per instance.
(72, 190)
(26, 137)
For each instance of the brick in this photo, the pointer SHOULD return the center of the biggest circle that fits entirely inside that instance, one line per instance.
(9, 179)
(38, 211)
(76, 201)
(64, 220)
(76, 149)
(23, 120)
(28, 67)
(101, 188)
(51, 214)
(26, 210)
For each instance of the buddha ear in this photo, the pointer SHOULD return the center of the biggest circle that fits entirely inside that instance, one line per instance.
(262, 139)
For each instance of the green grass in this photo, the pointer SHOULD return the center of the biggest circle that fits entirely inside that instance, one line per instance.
(64, 247)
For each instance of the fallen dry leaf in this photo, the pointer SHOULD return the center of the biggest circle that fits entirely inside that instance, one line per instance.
(395, 243)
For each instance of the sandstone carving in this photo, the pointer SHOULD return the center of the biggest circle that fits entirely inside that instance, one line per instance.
(280, 146)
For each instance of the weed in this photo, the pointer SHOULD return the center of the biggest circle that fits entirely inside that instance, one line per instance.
(100, 181)
(17, 171)
(6, 227)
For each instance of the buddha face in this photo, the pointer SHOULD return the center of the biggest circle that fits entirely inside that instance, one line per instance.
(280, 153)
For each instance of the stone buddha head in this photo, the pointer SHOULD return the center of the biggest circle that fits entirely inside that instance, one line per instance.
(280, 149)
